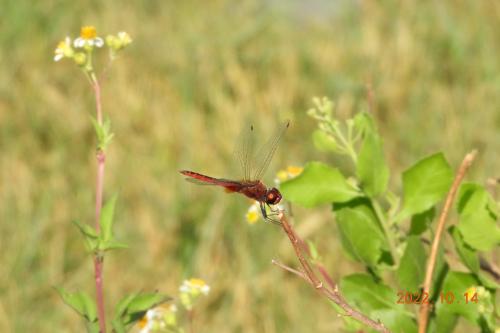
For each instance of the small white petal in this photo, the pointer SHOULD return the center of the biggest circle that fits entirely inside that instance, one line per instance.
(58, 57)
(99, 42)
(150, 314)
(78, 42)
(205, 289)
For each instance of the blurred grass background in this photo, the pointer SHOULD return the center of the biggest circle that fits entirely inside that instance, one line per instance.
(195, 70)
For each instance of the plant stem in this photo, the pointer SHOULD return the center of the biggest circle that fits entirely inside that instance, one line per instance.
(330, 290)
(385, 226)
(424, 308)
(98, 259)
(190, 315)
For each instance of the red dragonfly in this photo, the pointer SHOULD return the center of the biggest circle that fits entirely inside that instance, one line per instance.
(253, 167)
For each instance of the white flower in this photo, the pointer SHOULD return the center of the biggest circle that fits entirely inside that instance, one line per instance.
(64, 49)
(253, 213)
(124, 38)
(88, 38)
(194, 286)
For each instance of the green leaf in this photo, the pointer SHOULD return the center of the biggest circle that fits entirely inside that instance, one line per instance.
(457, 283)
(85, 229)
(444, 321)
(98, 129)
(360, 232)
(123, 304)
(395, 320)
(106, 220)
(80, 302)
(318, 184)
(440, 272)
(90, 235)
(466, 253)
(118, 326)
(372, 168)
(362, 291)
(111, 244)
(134, 306)
(422, 221)
(350, 324)
(103, 133)
(411, 270)
(92, 327)
(146, 301)
(324, 142)
(470, 258)
(363, 123)
(378, 301)
(478, 221)
(425, 184)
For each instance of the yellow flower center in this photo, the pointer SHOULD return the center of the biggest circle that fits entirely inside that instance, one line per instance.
(88, 32)
(143, 322)
(197, 282)
(294, 170)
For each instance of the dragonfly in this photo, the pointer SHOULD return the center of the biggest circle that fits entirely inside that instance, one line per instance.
(253, 164)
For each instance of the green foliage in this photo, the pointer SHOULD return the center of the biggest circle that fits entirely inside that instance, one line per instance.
(103, 133)
(411, 271)
(478, 218)
(105, 240)
(455, 285)
(83, 304)
(378, 301)
(360, 233)
(372, 169)
(319, 184)
(372, 231)
(133, 307)
(425, 184)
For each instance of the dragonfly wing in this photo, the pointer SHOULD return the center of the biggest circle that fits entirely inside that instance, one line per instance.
(265, 153)
(244, 151)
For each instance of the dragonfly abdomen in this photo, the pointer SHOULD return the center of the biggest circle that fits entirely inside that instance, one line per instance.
(199, 176)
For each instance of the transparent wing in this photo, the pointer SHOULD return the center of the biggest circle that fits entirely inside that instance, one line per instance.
(244, 152)
(265, 153)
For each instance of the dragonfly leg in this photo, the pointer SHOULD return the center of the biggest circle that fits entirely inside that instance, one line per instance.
(269, 217)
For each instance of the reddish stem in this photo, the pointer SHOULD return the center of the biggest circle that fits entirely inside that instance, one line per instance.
(98, 259)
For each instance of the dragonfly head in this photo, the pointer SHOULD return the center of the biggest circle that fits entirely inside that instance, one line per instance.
(273, 196)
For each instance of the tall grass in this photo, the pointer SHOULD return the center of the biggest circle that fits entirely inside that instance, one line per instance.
(194, 71)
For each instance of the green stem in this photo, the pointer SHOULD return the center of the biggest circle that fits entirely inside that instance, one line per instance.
(385, 225)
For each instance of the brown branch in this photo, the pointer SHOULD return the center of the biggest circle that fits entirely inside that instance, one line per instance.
(424, 308)
(290, 269)
(309, 275)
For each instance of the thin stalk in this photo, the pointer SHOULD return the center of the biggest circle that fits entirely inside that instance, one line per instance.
(385, 227)
(347, 145)
(330, 290)
(98, 259)
(431, 263)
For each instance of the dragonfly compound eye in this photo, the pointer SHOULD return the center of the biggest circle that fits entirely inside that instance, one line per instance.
(273, 196)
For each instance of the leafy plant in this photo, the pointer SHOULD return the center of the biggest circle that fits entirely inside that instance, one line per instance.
(390, 233)
(149, 309)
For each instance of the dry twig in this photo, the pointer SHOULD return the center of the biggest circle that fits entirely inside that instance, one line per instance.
(424, 308)
(330, 290)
